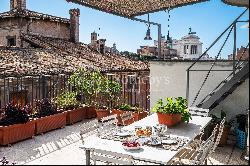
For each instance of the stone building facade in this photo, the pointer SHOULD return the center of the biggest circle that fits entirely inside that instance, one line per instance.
(189, 47)
(38, 53)
(20, 20)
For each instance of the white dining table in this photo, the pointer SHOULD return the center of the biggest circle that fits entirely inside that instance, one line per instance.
(148, 154)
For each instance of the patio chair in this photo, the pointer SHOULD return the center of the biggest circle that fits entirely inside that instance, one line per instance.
(89, 127)
(109, 120)
(111, 157)
(194, 111)
(127, 117)
(189, 156)
(219, 135)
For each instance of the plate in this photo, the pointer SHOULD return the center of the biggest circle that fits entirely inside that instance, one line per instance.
(131, 148)
(154, 144)
(169, 142)
(123, 134)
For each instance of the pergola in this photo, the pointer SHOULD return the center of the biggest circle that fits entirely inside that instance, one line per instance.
(132, 8)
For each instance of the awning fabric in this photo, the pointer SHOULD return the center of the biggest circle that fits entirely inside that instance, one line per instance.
(132, 8)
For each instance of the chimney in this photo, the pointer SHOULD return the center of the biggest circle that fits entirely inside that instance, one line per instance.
(18, 4)
(74, 25)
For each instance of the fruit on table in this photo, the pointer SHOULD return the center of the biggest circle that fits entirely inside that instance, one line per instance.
(144, 132)
(131, 144)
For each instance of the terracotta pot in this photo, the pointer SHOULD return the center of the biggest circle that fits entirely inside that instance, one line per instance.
(118, 113)
(169, 119)
(224, 137)
(90, 112)
(74, 116)
(15, 133)
(101, 113)
(49, 123)
(140, 115)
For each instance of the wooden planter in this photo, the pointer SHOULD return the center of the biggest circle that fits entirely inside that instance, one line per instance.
(101, 113)
(74, 116)
(140, 115)
(90, 112)
(15, 133)
(49, 123)
(169, 119)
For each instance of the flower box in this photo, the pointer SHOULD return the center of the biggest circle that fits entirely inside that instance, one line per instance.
(15, 133)
(49, 123)
(74, 116)
(140, 115)
(118, 113)
(101, 113)
(90, 112)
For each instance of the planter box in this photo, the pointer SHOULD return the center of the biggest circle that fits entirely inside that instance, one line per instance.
(140, 115)
(76, 115)
(90, 112)
(118, 113)
(49, 123)
(169, 119)
(15, 133)
(101, 113)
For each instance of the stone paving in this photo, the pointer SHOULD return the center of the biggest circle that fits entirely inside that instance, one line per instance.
(61, 147)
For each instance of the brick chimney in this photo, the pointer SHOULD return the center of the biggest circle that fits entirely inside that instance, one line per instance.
(17, 4)
(74, 24)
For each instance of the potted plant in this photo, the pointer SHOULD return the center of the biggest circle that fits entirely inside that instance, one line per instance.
(15, 124)
(172, 112)
(47, 117)
(68, 102)
(86, 84)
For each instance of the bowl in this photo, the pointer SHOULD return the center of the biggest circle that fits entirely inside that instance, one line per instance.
(131, 148)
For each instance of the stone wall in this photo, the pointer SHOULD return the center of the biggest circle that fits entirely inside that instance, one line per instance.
(50, 29)
(13, 27)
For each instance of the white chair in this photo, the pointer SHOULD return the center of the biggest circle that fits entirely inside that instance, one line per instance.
(194, 111)
(189, 156)
(109, 120)
(127, 116)
(219, 134)
(88, 129)
(110, 157)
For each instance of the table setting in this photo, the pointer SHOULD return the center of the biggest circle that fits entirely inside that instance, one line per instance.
(152, 136)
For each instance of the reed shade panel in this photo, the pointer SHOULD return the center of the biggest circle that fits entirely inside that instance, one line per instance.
(240, 3)
(132, 8)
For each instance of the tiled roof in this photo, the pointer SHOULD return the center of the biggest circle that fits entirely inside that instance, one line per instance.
(31, 14)
(60, 56)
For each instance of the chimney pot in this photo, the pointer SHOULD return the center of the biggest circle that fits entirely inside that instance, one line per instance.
(74, 24)
(18, 4)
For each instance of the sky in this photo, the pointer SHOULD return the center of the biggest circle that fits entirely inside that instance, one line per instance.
(208, 19)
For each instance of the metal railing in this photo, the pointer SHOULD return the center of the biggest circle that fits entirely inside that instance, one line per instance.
(23, 90)
(231, 28)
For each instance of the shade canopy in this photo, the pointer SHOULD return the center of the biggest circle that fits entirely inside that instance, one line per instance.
(240, 3)
(132, 8)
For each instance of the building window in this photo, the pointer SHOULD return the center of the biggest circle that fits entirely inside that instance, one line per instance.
(11, 41)
(194, 49)
(186, 47)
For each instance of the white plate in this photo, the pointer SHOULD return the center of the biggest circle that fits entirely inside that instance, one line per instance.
(131, 148)
(169, 142)
(123, 134)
